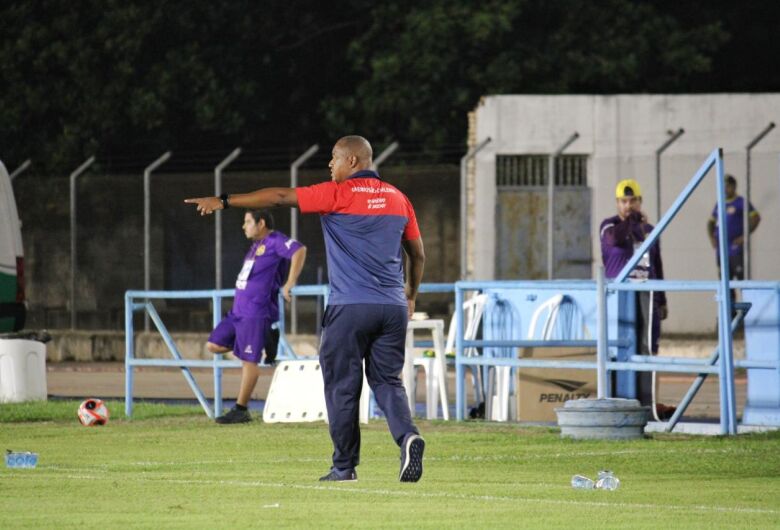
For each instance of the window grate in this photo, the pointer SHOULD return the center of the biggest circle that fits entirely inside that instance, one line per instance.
(526, 171)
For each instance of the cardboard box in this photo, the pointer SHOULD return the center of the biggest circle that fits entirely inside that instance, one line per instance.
(541, 390)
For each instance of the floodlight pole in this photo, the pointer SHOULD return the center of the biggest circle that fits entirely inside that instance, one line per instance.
(22, 167)
(147, 224)
(746, 206)
(294, 225)
(551, 199)
(384, 155)
(218, 220)
(73, 226)
(658, 152)
(471, 153)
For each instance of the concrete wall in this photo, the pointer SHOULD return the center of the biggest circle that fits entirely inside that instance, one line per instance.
(620, 135)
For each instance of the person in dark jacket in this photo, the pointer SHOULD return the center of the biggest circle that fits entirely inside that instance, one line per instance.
(621, 235)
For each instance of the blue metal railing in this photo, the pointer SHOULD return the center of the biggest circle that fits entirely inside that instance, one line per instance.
(725, 364)
(142, 301)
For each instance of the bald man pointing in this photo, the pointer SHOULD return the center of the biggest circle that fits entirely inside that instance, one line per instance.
(367, 223)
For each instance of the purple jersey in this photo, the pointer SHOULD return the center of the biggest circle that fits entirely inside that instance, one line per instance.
(734, 211)
(264, 272)
(619, 239)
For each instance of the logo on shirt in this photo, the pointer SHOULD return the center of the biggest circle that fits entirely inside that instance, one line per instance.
(248, 349)
(260, 250)
(289, 243)
(377, 203)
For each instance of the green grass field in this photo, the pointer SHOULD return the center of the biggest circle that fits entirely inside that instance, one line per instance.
(172, 467)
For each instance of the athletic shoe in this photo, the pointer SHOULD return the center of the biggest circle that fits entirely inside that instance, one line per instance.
(412, 458)
(340, 475)
(235, 416)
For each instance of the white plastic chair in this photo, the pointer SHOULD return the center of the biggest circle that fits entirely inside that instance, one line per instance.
(473, 309)
(552, 308)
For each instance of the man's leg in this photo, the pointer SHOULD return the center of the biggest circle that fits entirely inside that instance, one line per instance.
(644, 380)
(249, 375)
(248, 346)
(384, 364)
(345, 337)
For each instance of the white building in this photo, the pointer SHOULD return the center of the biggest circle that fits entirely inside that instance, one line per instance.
(618, 138)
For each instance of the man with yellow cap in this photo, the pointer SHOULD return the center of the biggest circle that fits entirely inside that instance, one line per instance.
(621, 235)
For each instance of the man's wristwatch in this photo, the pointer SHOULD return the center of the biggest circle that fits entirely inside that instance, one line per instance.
(225, 202)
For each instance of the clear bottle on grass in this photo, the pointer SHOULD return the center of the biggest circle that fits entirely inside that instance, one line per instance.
(580, 482)
(21, 459)
(607, 481)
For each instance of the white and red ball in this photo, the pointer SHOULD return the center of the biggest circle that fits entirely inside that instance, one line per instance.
(93, 412)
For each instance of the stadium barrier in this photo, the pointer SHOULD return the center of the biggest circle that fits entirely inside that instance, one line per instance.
(616, 319)
(142, 301)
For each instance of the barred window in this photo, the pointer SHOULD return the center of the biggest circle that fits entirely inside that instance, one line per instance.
(524, 171)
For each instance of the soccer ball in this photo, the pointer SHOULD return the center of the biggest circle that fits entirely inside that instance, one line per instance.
(93, 412)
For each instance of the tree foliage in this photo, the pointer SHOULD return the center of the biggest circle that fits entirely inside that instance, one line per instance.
(128, 77)
(425, 67)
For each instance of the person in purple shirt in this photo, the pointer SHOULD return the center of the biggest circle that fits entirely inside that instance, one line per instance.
(735, 208)
(621, 235)
(273, 261)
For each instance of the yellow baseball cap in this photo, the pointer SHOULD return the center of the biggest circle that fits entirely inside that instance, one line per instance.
(628, 188)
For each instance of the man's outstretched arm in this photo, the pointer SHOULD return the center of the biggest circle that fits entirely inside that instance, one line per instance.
(264, 198)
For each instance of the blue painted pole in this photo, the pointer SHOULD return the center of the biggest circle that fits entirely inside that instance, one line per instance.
(129, 353)
(175, 352)
(460, 372)
(601, 347)
(728, 409)
(216, 315)
(669, 215)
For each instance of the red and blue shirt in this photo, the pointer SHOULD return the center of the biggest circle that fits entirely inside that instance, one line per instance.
(363, 221)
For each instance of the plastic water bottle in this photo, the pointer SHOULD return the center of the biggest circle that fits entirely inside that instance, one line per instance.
(21, 460)
(607, 481)
(580, 482)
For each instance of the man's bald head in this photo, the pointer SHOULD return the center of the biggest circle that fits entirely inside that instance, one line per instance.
(359, 147)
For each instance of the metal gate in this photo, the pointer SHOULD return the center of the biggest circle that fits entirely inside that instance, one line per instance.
(521, 218)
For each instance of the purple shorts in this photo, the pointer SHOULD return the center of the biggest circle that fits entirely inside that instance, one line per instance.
(246, 335)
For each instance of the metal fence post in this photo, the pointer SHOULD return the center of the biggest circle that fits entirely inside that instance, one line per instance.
(658, 152)
(728, 408)
(147, 223)
(601, 346)
(384, 155)
(746, 206)
(22, 167)
(218, 220)
(73, 227)
(294, 226)
(550, 202)
(472, 152)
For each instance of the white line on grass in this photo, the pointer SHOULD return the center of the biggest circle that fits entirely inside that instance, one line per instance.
(439, 495)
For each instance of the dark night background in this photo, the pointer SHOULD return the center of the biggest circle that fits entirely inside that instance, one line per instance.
(128, 80)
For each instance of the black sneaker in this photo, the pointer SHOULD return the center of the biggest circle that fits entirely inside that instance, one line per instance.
(412, 458)
(235, 416)
(340, 475)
